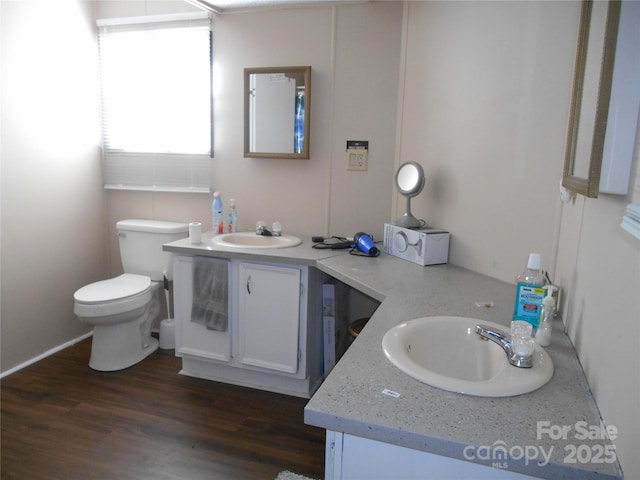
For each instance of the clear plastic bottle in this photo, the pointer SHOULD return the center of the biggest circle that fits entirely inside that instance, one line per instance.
(529, 292)
(232, 222)
(216, 207)
(298, 133)
(543, 335)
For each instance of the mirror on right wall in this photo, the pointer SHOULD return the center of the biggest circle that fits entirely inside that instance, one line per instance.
(605, 99)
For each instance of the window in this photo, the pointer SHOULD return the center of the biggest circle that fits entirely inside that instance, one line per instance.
(156, 90)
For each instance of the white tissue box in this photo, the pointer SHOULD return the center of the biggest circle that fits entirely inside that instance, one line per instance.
(426, 246)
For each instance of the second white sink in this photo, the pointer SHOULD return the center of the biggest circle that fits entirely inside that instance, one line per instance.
(251, 240)
(445, 352)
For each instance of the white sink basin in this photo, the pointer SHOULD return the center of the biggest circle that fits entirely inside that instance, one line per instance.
(251, 240)
(445, 352)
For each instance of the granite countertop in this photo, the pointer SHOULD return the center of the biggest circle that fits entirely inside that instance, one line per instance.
(444, 423)
(423, 417)
(302, 254)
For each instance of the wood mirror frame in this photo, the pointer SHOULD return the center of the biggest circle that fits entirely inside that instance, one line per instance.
(301, 78)
(589, 113)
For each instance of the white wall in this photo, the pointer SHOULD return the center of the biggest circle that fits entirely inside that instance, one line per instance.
(289, 191)
(599, 268)
(485, 110)
(53, 206)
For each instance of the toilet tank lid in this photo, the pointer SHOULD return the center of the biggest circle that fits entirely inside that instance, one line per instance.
(139, 225)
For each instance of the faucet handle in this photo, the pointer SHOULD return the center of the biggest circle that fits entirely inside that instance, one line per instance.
(521, 337)
(521, 328)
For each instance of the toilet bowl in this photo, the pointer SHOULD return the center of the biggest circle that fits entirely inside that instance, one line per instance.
(122, 310)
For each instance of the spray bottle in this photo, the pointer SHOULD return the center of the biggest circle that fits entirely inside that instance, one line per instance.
(216, 207)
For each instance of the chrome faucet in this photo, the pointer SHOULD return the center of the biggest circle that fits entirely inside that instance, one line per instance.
(275, 231)
(264, 231)
(519, 357)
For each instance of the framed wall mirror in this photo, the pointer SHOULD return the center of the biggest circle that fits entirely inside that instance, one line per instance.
(277, 104)
(598, 33)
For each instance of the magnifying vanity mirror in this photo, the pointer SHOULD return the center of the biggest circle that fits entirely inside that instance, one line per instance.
(410, 182)
(276, 112)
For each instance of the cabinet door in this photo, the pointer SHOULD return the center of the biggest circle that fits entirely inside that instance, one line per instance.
(192, 338)
(269, 313)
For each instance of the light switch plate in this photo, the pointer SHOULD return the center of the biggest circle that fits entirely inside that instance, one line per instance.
(357, 155)
(357, 159)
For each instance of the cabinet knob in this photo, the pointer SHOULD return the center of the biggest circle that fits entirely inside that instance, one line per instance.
(249, 285)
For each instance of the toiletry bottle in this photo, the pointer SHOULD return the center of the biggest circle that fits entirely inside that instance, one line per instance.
(232, 225)
(529, 292)
(298, 128)
(543, 335)
(216, 207)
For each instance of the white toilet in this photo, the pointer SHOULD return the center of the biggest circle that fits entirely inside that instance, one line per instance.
(123, 309)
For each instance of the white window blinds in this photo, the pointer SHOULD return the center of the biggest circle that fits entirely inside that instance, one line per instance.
(156, 84)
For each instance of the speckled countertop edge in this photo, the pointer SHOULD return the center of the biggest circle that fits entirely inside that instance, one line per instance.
(302, 254)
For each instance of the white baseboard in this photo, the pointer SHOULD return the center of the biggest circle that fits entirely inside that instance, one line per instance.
(46, 354)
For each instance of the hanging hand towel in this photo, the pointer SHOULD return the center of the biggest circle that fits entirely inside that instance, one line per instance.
(210, 304)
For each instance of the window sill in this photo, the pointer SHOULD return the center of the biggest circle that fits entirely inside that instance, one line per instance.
(158, 188)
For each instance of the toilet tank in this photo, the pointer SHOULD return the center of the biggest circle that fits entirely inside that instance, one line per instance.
(141, 245)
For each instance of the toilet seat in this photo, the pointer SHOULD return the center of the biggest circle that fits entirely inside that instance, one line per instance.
(111, 297)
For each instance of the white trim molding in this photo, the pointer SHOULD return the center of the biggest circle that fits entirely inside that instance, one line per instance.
(46, 354)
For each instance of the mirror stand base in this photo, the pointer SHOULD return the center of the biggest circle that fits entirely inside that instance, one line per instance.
(409, 221)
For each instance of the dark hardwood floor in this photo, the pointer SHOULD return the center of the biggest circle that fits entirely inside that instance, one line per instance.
(61, 420)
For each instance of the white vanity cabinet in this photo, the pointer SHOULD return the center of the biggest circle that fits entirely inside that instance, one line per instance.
(349, 457)
(274, 336)
(269, 316)
(194, 339)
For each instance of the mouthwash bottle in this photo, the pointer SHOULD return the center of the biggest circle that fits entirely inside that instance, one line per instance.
(529, 292)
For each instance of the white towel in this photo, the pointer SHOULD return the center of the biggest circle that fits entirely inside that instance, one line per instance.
(210, 303)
